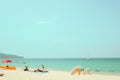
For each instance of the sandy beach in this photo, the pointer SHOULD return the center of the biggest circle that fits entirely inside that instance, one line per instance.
(19, 74)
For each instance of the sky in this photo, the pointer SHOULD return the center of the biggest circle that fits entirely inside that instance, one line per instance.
(60, 28)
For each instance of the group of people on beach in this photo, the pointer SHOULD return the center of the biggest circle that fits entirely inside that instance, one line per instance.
(36, 70)
(27, 69)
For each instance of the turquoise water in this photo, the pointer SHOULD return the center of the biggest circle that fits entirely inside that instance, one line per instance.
(96, 65)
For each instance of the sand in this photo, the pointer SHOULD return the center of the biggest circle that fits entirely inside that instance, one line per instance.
(19, 74)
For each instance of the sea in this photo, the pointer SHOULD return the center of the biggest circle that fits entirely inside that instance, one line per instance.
(97, 65)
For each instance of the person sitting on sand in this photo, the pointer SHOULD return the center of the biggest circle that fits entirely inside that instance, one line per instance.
(86, 71)
(43, 70)
(26, 68)
(42, 67)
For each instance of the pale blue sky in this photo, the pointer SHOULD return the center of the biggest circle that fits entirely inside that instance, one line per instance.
(60, 28)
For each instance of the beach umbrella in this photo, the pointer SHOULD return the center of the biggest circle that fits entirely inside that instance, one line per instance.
(76, 70)
(7, 61)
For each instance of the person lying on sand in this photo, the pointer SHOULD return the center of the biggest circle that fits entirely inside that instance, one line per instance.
(39, 70)
(2, 74)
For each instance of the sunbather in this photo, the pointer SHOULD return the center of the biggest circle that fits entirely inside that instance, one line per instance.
(39, 70)
(26, 68)
(2, 74)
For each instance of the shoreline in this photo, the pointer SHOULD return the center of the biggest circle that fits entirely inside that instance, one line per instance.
(19, 74)
(92, 72)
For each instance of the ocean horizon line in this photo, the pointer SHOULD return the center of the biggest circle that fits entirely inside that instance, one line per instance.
(75, 58)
